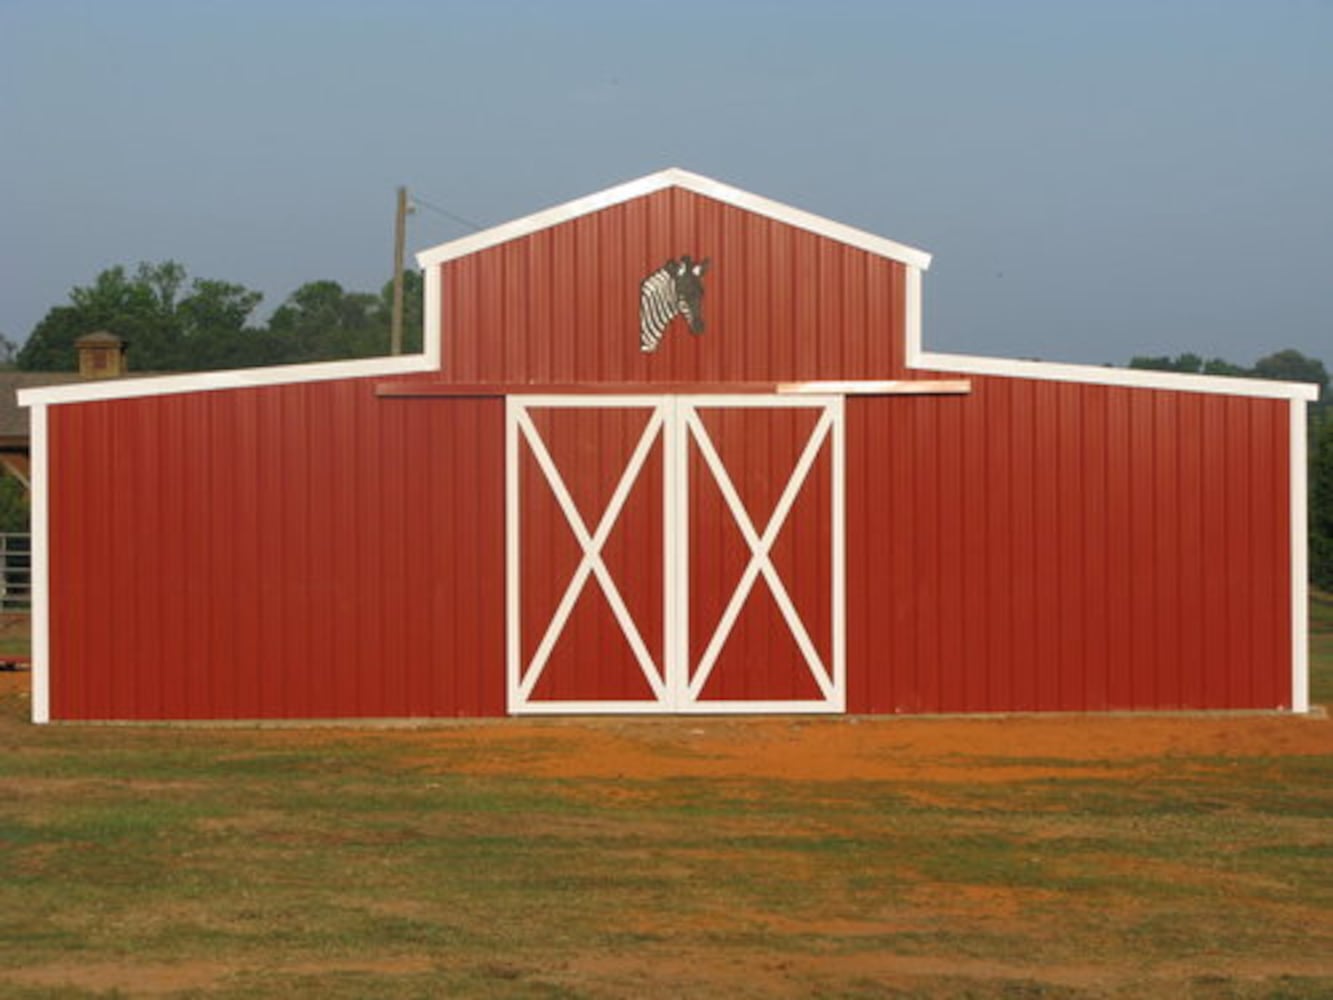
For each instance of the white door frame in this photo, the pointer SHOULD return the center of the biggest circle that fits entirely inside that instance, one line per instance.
(676, 683)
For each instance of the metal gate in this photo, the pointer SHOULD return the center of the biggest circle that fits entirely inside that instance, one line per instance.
(675, 554)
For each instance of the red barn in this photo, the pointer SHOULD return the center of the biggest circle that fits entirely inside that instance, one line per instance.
(670, 448)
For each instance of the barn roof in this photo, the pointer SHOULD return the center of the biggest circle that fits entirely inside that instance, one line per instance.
(684, 179)
(917, 357)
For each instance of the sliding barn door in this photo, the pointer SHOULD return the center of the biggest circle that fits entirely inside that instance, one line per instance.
(675, 554)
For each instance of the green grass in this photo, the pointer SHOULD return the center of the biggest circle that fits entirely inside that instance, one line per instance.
(327, 864)
(1321, 648)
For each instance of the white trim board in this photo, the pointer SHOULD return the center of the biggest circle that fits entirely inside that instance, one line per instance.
(676, 682)
(677, 178)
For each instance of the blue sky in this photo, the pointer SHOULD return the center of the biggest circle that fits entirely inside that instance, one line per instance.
(1095, 180)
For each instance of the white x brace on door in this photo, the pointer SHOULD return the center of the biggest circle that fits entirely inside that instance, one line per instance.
(675, 554)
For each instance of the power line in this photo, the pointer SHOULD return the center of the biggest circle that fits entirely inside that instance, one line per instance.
(474, 226)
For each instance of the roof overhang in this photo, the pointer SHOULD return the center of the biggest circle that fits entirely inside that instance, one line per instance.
(674, 177)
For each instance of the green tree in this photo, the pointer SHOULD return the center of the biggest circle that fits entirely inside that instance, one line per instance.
(413, 302)
(1321, 502)
(13, 504)
(1292, 366)
(1187, 362)
(169, 327)
(321, 321)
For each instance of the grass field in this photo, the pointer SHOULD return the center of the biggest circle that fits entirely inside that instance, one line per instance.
(1024, 857)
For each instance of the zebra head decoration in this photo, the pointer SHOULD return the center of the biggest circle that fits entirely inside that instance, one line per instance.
(674, 289)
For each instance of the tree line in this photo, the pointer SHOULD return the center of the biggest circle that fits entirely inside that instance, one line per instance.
(178, 323)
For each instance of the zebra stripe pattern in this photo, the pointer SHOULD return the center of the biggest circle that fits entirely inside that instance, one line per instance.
(674, 289)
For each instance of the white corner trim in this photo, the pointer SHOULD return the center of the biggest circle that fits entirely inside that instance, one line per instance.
(1300, 587)
(675, 177)
(40, 570)
(238, 378)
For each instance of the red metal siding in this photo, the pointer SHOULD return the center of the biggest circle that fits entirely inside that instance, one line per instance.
(299, 551)
(1045, 546)
(562, 304)
(313, 550)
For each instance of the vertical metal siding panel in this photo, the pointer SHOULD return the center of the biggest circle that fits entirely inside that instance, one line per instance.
(319, 689)
(489, 460)
(98, 524)
(490, 321)
(1072, 594)
(806, 270)
(1093, 529)
(462, 338)
(563, 321)
(393, 543)
(926, 472)
(537, 306)
(175, 528)
(1215, 554)
(1192, 544)
(758, 303)
(954, 680)
(880, 279)
(896, 327)
(857, 349)
(1047, 507)
(1166, 545)
(441, 598)
(244, 466)
(293, 515)
(516, 340)
(219, 574)
(197, 663)
(270, 585)
(144, 521)
(730, 309)
(465, 562)
(1265, 571)
(974, 494)
(1026, 621)
(1239, 456)
(901, 518)
(884, 535)
(413, 514)
(343, 480)
(1144, 571)
(688, 223)
(829, 332)
(877, 544)
(1119, 515)
(782, 298)
(860, 465)
(998, 517)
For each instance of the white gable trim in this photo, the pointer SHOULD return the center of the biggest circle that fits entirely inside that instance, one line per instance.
(675, 177)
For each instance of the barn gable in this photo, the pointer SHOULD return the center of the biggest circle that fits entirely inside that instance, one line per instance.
(796, 507)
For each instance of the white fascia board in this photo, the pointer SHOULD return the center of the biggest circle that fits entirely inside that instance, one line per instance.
(675, 177)
(1134, 378)
(239, 378)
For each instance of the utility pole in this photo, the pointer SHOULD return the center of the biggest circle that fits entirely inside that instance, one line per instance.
(399, 238)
